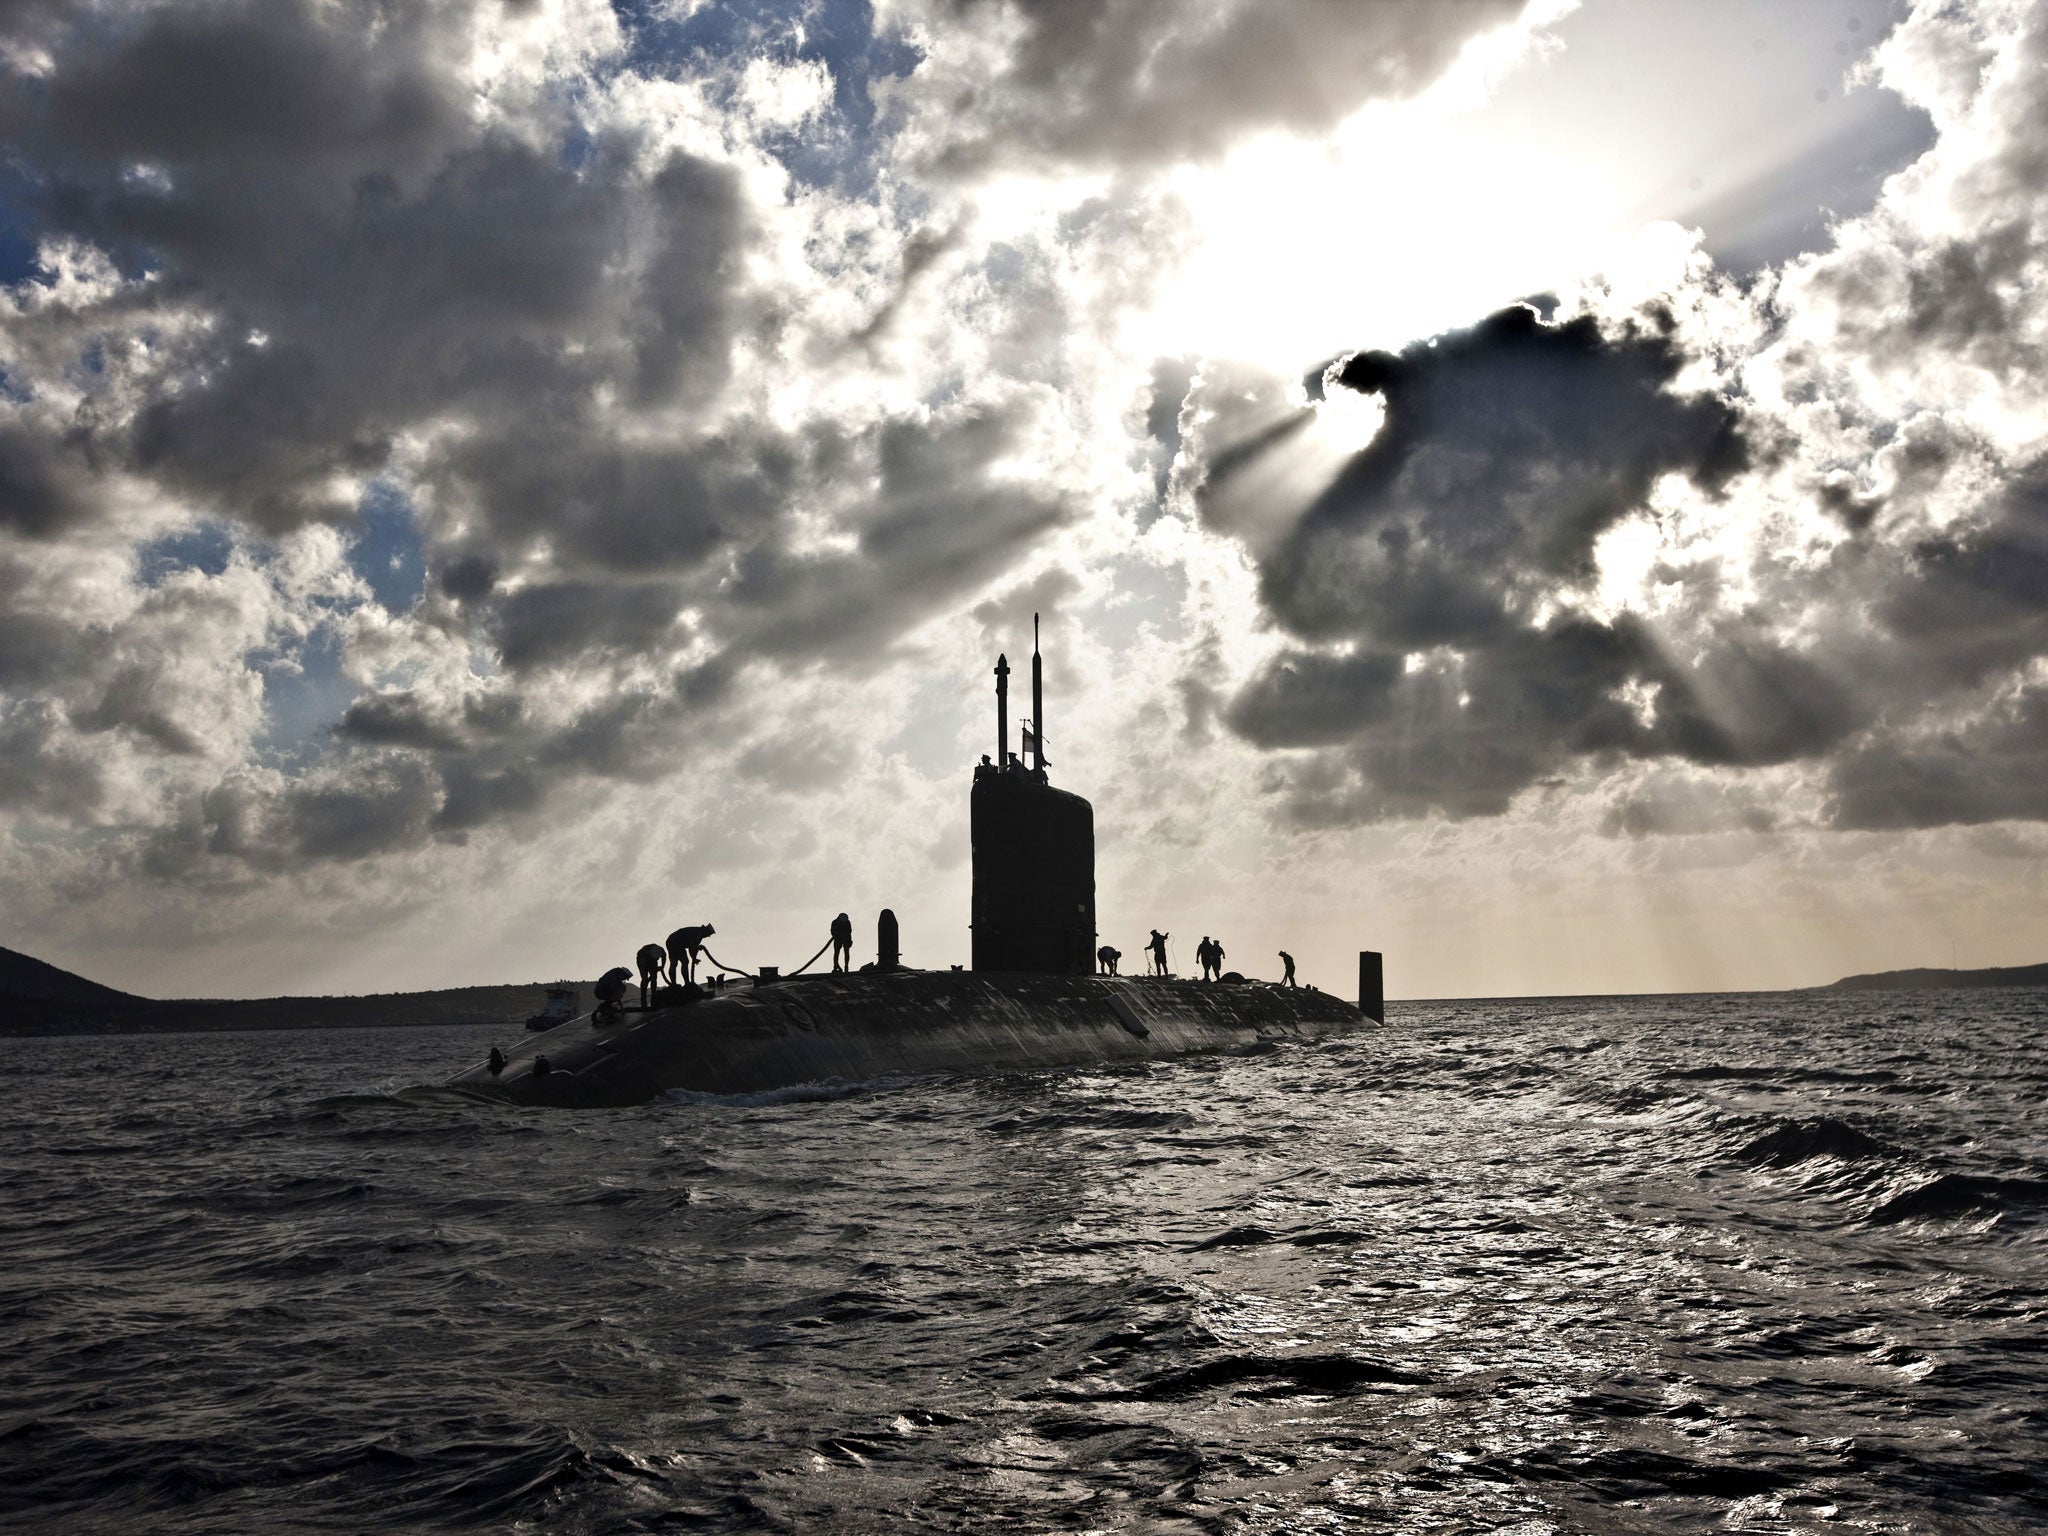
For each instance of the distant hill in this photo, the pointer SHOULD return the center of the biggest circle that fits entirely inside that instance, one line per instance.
(1903, 981)
(39, 999)
(25, 978)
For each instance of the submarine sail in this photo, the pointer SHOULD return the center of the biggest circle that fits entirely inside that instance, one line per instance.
(1033, 907)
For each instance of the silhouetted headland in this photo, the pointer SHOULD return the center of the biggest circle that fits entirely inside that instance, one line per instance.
(1927, 978)
(37, 998)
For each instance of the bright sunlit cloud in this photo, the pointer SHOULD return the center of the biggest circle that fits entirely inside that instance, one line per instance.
(1414, 218)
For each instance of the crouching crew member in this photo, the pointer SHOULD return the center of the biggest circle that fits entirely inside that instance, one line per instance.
(610, 990)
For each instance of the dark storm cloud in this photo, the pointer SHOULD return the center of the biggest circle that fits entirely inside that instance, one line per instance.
(1305, 699)
(1991, 769)
(387, 806)
(44, 488)
(1972, 600)
(1748, 701)
(1507, 451)
(399, 719)
(1537, 696)
(468, 576)
(133, 700)
(938, 524)
(629, 736)
(1432, 589)
(283, 86)
(36, 647)
(567, 621)
(1130, 81)
(475, 795)
(603, 505)
(1967, 609)
(491, 294)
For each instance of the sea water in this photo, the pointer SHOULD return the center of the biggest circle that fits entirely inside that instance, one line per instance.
(1763, 1263)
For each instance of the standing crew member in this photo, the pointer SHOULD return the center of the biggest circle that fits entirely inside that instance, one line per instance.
(1108, 958)
(651, 959)
(842, 943)
(1287, 960)
(684, 946)
(1157, 944)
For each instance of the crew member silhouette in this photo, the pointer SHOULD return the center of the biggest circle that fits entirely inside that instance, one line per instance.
(1157, 944)
(611, 989)
(1287, 960)
(1210, 953)
(684, 946)
(1107, 959)
(842, 943)
(652, 960)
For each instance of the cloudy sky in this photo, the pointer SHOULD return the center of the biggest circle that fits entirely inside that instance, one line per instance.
(1558, 495)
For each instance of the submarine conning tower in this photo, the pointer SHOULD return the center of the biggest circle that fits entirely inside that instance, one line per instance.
(1034, 851)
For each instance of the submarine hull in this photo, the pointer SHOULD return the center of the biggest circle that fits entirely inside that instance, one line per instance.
(854, 1028)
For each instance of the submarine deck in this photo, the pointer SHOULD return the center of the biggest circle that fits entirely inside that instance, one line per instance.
(866, 1025)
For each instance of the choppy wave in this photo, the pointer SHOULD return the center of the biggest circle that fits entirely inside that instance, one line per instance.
(1663, 1265)
(1791, 1143)
(1956, 1195)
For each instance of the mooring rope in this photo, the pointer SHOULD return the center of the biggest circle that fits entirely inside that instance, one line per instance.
(730, 970)
(813, 960)
(724, 969)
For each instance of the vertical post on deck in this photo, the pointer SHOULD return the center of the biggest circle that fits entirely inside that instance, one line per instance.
(1372, 997)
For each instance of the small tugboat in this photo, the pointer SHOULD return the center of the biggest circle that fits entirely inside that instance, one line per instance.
(563, 1003)
(1030, 999)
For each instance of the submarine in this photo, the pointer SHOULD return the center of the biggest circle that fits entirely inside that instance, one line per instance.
(1030, 999)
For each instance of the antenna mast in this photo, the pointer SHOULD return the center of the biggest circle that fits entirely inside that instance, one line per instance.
(1037, 704)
